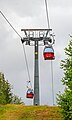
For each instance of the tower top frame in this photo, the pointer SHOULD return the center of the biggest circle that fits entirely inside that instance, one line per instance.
(36, 29)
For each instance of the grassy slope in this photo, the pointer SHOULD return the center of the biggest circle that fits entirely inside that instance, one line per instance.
(21, 112)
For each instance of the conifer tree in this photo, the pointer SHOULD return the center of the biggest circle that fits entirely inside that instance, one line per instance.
(6, 95)
(5, 90)
(65, 99)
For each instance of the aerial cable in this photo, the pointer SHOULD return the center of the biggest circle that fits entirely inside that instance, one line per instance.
(23, 44)
(27, 68)
(10, 25)
(47, 14)
(52, 82)
(51, 60)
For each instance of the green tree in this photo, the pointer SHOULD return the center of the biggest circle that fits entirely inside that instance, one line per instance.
(5, 90)
(16, 100)
(65, 99)
(6, 95)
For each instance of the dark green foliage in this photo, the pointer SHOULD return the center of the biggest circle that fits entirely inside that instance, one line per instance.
(6, 96)
(5, 90)
(65, 99)
(16, 100)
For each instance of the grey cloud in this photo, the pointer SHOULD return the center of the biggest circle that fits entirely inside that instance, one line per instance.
(60, 3)
(23, 7)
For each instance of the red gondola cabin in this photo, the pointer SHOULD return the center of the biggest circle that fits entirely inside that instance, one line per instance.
(29, 93)
(48, 53)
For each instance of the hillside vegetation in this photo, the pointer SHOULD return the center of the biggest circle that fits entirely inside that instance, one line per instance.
(21, 112)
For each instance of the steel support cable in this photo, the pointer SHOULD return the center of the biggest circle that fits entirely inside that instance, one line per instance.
(52, 81)
(47, 14)
(10, 25)
(51, 60)
(27, 67)
(21, 38)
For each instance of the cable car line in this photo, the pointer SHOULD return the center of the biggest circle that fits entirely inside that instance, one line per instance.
(10, 24)
(30, 93)
(27, 67)
(23, 45)
(52, 81)
(47, 14)
(51, 60)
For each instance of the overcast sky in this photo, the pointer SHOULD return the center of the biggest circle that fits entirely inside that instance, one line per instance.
(32, 14)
